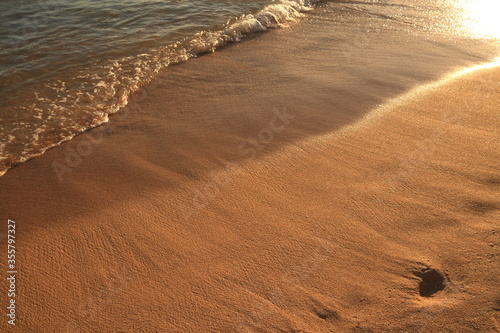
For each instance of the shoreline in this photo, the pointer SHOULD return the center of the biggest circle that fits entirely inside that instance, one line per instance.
(248, 191)
(349, 48)
(107, 93)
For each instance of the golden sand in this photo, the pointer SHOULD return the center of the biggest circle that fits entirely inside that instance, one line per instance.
(331, 234)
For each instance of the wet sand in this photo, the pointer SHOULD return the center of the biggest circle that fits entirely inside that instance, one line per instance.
(280, 185)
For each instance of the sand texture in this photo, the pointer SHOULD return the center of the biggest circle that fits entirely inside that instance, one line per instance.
(360, 196)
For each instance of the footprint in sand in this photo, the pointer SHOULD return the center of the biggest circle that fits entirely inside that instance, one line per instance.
(431, 282)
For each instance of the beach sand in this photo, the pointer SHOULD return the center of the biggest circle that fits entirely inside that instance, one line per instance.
(354, 192)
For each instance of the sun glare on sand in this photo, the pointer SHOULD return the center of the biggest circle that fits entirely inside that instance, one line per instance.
(418, 91)
(481, 17)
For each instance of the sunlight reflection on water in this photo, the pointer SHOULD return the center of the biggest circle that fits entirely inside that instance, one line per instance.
(480, 17)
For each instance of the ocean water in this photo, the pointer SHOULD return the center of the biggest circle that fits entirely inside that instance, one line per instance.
(66, 65)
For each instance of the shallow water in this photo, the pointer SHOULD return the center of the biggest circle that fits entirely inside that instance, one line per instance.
(65, 66)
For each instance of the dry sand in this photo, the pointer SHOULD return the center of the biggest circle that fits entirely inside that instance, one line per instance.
(172, 223)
